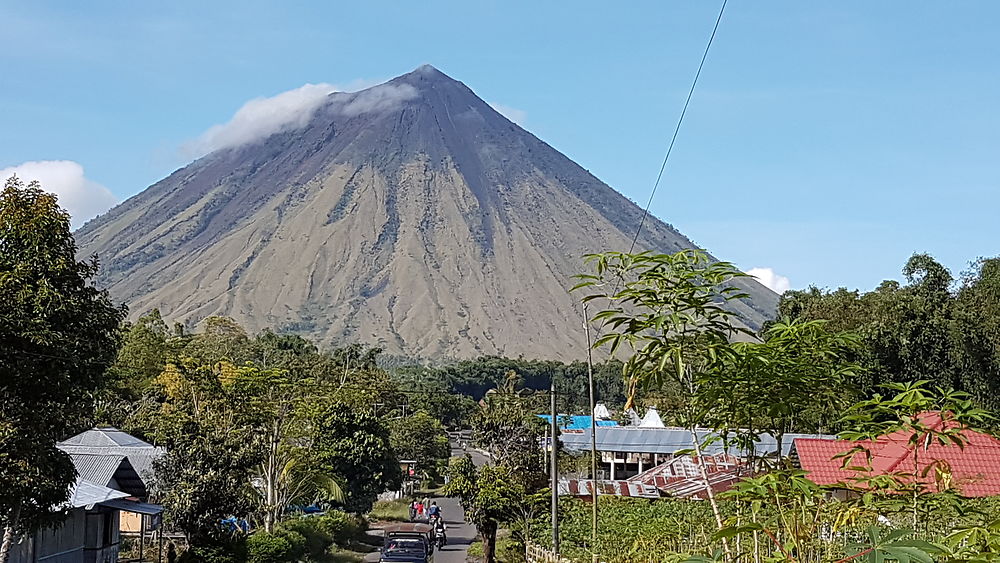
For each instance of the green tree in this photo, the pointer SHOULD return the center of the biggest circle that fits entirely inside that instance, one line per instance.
(59, 335)
(421, 438)
(490, 496)
(929, 328)
(211, 450)
(798, 378)
(355, 446)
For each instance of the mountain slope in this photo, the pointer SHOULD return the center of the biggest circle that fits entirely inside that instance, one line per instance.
(410, 215)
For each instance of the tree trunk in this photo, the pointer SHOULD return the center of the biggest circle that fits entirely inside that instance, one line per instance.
(8, 535)
(489, 535)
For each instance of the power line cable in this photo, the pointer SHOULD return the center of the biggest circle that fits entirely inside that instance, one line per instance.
(677, 128)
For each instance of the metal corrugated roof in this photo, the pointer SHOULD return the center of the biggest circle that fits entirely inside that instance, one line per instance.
(633, 439)
(85, 494)
(111, 442)
(98, 469)
(585, 488)
(101, 469)
(575, 422)
(105, 437)
(133, 506)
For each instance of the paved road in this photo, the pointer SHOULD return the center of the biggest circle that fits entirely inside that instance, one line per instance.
(460, 534)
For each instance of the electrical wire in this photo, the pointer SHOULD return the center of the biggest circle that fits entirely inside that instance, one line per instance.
(677, 128)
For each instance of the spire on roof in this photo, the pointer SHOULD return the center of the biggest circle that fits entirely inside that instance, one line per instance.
(651, 420)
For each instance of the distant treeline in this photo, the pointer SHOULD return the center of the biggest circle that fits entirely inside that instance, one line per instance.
(933, 327)
(475, 377)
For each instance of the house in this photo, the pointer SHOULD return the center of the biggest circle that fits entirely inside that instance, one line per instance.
(972, 469)
(678, 477)
(117, 460)
(626, 451)
(89, 534)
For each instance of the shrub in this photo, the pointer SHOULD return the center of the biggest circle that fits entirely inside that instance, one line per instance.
(233, 552)
(341, 527)
(316, 537)
(263, 547)
(296, 544)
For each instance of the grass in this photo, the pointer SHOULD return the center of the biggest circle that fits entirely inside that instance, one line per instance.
(391, 511)
(508, 550)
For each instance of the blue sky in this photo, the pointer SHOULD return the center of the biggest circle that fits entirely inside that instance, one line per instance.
(827, 141)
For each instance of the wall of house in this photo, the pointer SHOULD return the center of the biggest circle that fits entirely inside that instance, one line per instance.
(62, 544)
(102, 536)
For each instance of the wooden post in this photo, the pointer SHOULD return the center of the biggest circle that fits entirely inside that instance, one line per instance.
(142, 534)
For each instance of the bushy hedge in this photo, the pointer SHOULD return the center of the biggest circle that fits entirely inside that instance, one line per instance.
(305, 537)
(263, 547)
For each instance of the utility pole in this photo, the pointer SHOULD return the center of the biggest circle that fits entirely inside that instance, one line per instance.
(555, 469)
(593, 439)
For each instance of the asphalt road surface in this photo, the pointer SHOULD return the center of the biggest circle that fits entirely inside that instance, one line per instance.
(460, 533)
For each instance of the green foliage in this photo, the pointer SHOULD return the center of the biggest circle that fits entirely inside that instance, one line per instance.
(396, 510)
(930, 328)
(282, 547)
(421, 438)
(798, 378)
(231, 551)
(355, 446)
(59, 335)
(342, 528)
(511, 491)
(453, 385)
(506, 427)
(205, 478)
(667, 309)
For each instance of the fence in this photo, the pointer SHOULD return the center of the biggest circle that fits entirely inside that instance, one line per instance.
(535, 553)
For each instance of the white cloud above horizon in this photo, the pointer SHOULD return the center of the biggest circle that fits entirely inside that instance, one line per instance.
(261, 117)
(83, 198)
(771, 279)
(518, 116)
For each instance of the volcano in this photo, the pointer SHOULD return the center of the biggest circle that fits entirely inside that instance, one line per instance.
(410, 215)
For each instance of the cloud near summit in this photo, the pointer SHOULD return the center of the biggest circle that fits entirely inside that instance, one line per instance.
(261, 117)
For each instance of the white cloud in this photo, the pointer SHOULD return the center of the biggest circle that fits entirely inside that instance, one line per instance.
(262, 117)
(378, 98)
(84, 199)
(777, 283)
(516, 115)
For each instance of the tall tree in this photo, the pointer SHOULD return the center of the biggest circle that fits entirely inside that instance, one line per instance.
(799, 377)
(354, 445)
(59, 335)
(507, 491)
(929, 328)
(421, 438)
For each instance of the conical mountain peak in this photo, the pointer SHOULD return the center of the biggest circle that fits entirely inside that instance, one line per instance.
(410, 216)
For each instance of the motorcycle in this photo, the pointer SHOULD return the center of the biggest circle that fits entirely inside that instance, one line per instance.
(440, 535)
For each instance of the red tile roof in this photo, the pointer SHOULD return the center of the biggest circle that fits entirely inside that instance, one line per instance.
(975, 468)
